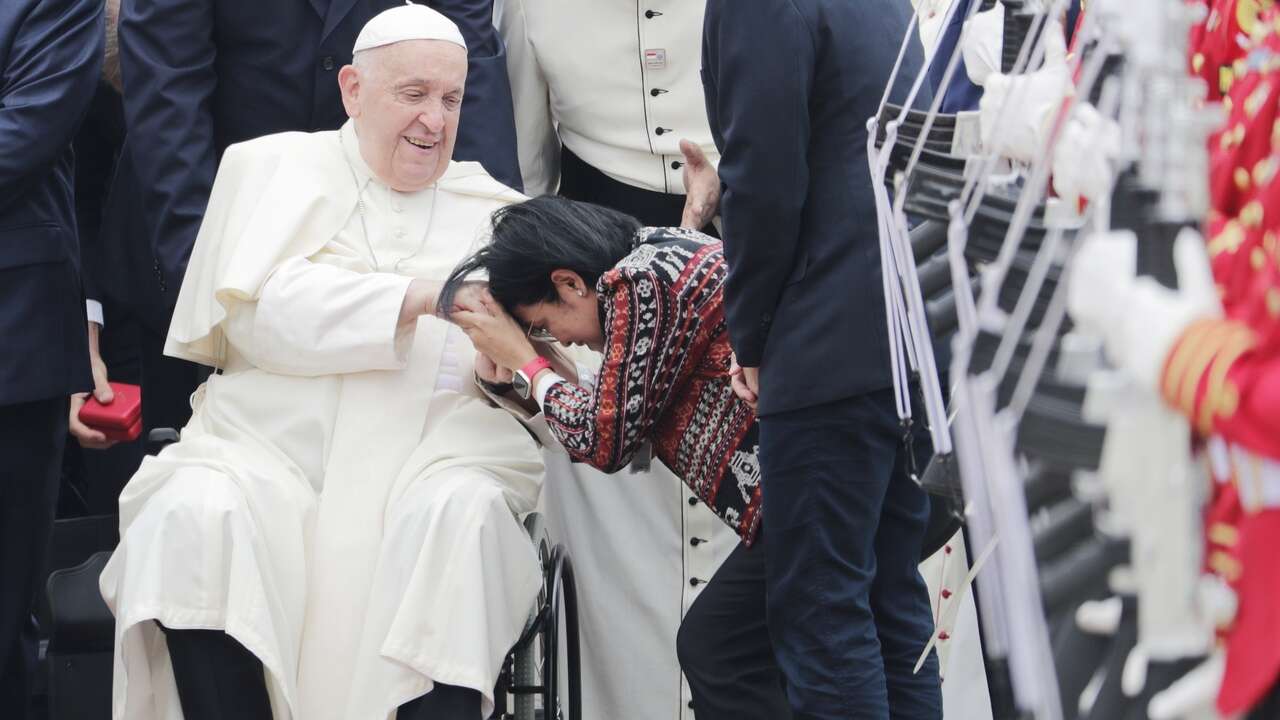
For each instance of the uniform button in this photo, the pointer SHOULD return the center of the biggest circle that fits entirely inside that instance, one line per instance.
(656, 92)
(693, 502)
(660, 131)
(676, 164)
(327, 62)
(694, 582)
(690, 704)
(695, 542)
(651, 14)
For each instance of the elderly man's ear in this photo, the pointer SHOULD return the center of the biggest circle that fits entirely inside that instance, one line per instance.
(349, 82)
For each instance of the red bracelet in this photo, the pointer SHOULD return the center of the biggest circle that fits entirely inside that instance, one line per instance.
(535, 366)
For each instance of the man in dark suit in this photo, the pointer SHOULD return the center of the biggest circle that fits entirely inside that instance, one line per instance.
(50, 56)
(200, 75)
(789, 86)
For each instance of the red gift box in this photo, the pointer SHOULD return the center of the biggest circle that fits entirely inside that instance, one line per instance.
(128, 435)
(121, 420)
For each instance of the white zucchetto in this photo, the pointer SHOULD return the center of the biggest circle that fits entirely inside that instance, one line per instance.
(407, 22)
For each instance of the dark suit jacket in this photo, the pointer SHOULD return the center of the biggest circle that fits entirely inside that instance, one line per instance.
(97, 146)
(50, 58)
(789, 86)
(200, 75)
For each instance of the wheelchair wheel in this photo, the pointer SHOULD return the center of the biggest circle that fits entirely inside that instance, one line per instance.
(563, 598)
(532, 675)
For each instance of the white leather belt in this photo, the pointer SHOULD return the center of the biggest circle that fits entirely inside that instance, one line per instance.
(1257, 478)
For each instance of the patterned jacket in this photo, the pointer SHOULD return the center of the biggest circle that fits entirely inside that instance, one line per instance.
(665, 377)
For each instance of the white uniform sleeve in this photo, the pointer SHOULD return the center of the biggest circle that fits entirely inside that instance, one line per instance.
(315, 319)
(93, 311)
(536, 139)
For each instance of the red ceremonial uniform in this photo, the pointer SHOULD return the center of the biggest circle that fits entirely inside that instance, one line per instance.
(1224, 373)
(1219, 43)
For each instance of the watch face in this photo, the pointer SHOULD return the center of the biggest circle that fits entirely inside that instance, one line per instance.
(521, 384)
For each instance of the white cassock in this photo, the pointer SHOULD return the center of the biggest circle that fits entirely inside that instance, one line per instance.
(342, 502)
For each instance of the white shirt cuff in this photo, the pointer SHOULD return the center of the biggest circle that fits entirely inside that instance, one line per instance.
(93, 309)
(544, 383)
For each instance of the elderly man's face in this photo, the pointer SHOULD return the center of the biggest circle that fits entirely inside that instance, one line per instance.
(405, 100)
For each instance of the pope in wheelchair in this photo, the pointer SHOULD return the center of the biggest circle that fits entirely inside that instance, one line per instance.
(337, 533)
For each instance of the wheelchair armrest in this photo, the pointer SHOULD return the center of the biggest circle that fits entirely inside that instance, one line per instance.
(81, 621)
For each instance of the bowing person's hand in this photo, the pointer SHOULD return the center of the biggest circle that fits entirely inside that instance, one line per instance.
(745, 382)
(701, 187)
(495, 333)
(491, 372)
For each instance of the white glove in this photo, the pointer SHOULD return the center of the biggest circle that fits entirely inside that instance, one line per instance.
(1138, 319)
(1035, 97)
(1082, 159)
(1192, 696)
(1100, 617)
(982, 43)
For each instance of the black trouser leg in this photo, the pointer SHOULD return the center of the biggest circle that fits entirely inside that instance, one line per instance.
(848, 611)
(444, 702)
(167, 384)
(724, 645)
(217, 677)
(32, 437)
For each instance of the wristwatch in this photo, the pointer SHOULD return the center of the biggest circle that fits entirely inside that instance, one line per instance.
(522, 380)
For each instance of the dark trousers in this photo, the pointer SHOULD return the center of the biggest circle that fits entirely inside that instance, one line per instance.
(218, 679)
(167, 383)
(32, 437)
(848, 611)
(724, 645)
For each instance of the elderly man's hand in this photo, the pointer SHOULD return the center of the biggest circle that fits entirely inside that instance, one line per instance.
(491, 372)
(745, 382)
(496, 334)
(471, 296)
(701, 187)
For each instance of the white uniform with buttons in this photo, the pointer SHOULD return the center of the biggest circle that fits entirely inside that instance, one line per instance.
(619, 81)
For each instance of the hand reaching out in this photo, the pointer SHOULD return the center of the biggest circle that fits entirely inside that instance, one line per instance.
(701, 186)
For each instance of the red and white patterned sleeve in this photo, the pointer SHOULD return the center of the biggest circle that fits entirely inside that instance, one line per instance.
(647, 333)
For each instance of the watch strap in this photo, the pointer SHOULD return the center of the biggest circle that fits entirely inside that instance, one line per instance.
(533, 367)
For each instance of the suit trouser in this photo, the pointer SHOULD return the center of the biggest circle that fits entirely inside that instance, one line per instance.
(848, 611)
(167, 383)
(218, 678)
(32, 437)
(724, 645)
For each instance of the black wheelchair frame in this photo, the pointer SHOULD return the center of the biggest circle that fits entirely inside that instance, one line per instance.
(531, 672)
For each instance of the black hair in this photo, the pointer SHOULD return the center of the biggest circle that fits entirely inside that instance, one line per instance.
(533, 238)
